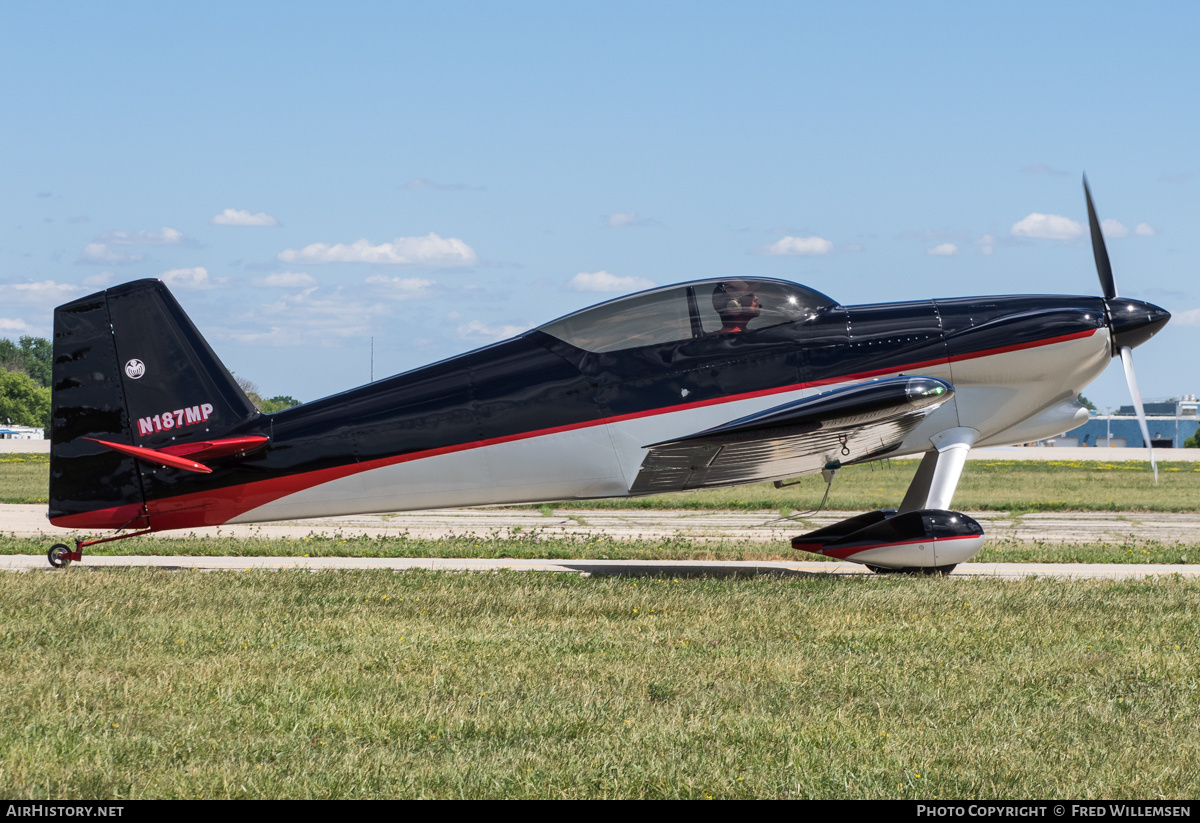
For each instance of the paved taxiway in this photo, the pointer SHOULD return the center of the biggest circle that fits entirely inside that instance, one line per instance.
(1170, 528)
(1180, 529)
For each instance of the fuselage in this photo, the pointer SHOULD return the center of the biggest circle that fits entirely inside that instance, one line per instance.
(537, 418)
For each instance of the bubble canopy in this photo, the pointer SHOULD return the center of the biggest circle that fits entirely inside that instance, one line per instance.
(687, 311)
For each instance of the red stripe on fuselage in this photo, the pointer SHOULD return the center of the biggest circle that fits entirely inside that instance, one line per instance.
(212, 508)
(849, 551)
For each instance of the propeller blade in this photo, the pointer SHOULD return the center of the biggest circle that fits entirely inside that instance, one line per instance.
(1127, 362)
(1099, 250)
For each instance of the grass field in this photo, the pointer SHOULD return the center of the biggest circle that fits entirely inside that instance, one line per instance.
(24, 478)
(1001, 485)
(266, 684)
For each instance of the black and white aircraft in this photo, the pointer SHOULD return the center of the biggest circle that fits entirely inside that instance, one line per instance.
(703, 384)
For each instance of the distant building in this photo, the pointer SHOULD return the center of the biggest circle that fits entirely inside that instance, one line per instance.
(11, 432)
(1170, 423)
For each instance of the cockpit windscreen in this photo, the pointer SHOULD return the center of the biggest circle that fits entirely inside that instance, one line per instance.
(707, 307)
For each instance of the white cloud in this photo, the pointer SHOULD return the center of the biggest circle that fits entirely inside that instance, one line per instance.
(33, 303)
(1191, 317)
(621, 219)
(430, 250)
(944, 250)
(242, 217)
(1048, 227)
(625, 219)
(603, 281)
(46, 288)
(400, 286)
(987, 244)
(421, 183)
(1113, 228)
(478, 330)
(798, 245)
(8, 326)
(166, 237)
(101, 253)
(99, 281)
(1143, 230)
(305, 317)
(194, 278)
(286, 280)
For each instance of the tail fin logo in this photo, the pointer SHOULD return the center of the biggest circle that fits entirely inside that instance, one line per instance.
(135, 369)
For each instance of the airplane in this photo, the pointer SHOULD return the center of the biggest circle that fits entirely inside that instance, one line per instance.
(702, 384)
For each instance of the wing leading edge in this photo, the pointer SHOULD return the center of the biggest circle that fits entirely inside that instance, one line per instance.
(837, 427)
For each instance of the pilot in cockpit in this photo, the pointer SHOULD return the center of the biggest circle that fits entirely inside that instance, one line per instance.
(736, 304)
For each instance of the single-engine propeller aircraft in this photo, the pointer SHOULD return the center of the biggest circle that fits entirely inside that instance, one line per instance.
(702, 384)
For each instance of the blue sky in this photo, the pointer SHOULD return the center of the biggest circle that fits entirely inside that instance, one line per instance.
(437, 176)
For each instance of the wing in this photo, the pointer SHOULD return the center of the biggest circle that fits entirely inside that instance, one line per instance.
(842, 426)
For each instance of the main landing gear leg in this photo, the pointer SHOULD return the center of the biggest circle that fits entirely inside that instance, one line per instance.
(937, 477)
(60, 556)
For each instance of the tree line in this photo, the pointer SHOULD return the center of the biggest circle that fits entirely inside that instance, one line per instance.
(26, 367)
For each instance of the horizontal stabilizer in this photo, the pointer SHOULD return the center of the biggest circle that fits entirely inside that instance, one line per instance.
(212, 449)
(178, 456)
(837, 427)
(156, 456)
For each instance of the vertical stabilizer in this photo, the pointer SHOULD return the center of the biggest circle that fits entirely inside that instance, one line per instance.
(129, 368)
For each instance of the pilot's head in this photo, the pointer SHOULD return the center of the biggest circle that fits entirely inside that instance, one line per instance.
(736, 303)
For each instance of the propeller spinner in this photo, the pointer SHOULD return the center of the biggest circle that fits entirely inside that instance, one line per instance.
(1132, 322)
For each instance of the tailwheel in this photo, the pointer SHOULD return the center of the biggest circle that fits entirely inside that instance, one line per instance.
(59, 556)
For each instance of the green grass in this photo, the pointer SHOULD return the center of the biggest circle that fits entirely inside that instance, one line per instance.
(144, 683)
(24, 478)
(1000, 485)
(597, 547)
